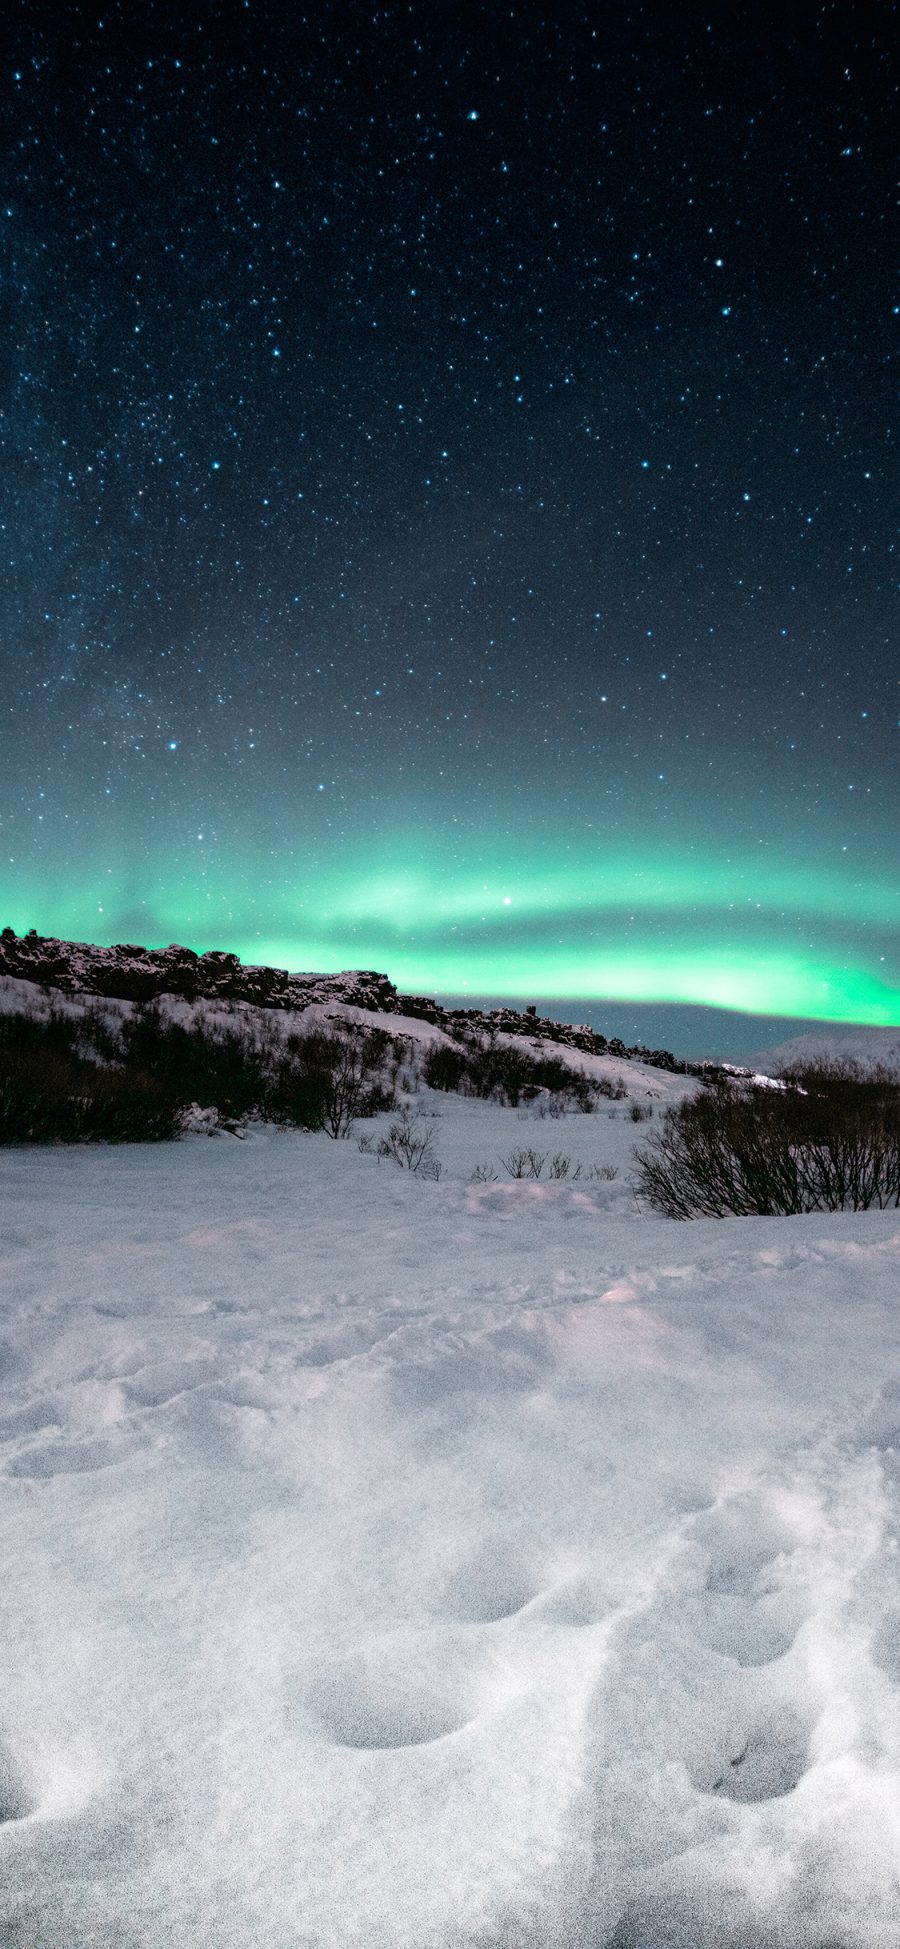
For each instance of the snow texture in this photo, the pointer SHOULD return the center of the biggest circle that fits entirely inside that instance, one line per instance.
(442, 1565)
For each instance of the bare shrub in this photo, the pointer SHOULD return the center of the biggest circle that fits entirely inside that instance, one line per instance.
(827, 1141)
(51, 1092)
(548, 1103)
(640, 1112)
(561, 1167)
(484, 1174)
(401, 1051)
(217, 1068)
(524, 1163)
(410, 1142)
(444, 1067)
(609, 1086)
(487, 1067)
(348, 1084)
(605, 1171)
(325, 1081)
(91, 1078)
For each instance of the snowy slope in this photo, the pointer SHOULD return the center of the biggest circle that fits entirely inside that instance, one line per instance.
(406, 1565)
(639, 1079)
(863, 1044)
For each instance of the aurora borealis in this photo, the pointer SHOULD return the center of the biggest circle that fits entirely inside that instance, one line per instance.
(450, 499)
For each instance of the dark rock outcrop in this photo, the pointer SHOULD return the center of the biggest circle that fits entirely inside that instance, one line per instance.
(139, 974)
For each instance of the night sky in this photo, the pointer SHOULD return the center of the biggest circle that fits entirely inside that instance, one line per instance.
(449, 496)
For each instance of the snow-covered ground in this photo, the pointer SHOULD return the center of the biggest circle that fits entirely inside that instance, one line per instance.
(434, 1565)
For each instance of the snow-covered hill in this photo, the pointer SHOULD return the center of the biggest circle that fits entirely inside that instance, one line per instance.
(862, 1044)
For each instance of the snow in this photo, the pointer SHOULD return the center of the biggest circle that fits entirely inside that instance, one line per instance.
(835, 1041)
(442, 1565)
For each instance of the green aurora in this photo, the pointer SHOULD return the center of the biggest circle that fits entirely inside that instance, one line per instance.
(715, 931)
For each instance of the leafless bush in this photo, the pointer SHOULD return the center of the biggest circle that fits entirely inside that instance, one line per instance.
(488, 1067)
(561, 1167)
(524, 1163)
(641, 1112)
(410, 1142)
(605, 1171)
(444, 1067)
(402, 1050)
(545, 1105)
(484, 1174)
(828, 1141)
(350, 1082)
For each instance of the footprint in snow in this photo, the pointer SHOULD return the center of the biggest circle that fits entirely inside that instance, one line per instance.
(382, 1704)
(770, 1763)
(154, 1386)
(746, 1609)
(54, 1458)
(492, 1586)
(15, 1801)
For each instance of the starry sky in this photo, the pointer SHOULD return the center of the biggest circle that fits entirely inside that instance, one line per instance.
(449, 495)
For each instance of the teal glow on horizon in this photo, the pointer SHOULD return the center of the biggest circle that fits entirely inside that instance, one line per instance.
(713, 931)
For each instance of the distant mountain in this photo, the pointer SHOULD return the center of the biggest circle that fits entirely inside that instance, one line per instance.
(836, 1039)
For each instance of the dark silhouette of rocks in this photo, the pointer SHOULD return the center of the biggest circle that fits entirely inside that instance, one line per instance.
(139, 974)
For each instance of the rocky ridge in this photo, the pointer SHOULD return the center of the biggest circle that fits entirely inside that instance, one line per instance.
(141, 974)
